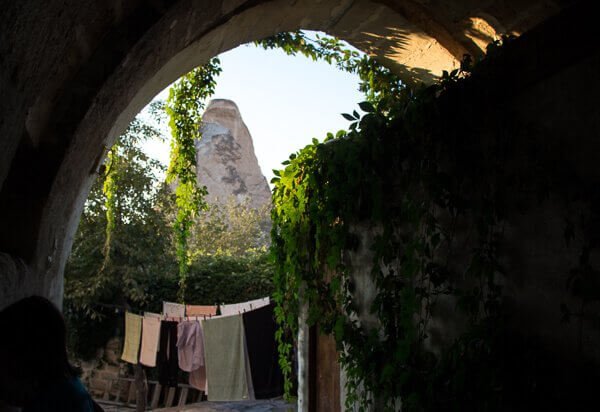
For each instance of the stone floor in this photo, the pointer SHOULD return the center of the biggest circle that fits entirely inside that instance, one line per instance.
(241, 406)
(276, 405)
(115, 408)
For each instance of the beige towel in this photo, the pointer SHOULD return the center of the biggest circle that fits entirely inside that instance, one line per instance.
(173, 310)
(200, 310)
(150, 339)
(133, 333)
(225, 361)
(238, 308)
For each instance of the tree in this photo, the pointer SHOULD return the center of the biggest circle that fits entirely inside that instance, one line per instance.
(124, 253)
(124, 239)
(231, 229)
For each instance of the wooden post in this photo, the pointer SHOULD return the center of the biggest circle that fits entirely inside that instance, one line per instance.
(170, 397)
(156, 395)
(183, 396)
(107, 389)
(141, 388)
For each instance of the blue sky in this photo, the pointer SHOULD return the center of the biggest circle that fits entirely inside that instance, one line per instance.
(284, 100)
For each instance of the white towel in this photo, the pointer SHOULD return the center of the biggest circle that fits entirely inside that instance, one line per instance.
(173, 310)
(238, 308)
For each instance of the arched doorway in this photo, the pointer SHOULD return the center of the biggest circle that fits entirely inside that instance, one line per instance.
(100, 65)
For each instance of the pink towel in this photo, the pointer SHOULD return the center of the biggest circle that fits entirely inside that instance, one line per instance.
(198, 379)
(200, 310)
(150, 339)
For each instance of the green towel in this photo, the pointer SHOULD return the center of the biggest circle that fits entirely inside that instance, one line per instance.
(133, 334)
(224, 358)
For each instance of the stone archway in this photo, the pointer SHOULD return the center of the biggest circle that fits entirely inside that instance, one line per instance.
(74, 75)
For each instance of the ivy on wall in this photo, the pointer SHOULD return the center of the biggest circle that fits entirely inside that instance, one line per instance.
(412, 173)
(184, 108)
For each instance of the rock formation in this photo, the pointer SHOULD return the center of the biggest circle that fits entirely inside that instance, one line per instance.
(226, 162)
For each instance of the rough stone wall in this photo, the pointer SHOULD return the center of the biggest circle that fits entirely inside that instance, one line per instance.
(226, 162)
(551, 109)
(74, 74)
(106, 367)
(17, 281)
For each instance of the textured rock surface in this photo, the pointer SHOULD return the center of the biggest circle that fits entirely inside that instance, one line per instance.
(227, 164)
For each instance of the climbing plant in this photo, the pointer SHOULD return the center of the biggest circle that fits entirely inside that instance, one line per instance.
(184, 108)
(397, 186)
(109, 190)
(377, 82)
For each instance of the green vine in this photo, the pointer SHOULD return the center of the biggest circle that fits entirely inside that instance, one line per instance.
(378, 83)
(109, 188)
(184, 107)
(411, 182)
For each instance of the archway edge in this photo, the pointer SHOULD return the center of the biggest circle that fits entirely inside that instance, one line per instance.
(405, 48)
(186, 37)
(123, 85)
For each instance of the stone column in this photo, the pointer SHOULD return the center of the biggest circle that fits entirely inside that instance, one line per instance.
(303, 355)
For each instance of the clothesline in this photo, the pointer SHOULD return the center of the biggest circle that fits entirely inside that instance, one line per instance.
(216, 344)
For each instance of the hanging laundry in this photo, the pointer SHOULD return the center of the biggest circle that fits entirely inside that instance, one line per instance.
(239, 308)
(173, 310)
(198, 379)
(200, 310)
(133, 332)
(248, 372)
(153, 315)
(167, 362)
(190, 347)
(150, 340)
(260, 328)
(224, 356)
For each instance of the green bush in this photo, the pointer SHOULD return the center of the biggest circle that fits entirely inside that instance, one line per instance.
(212, 279)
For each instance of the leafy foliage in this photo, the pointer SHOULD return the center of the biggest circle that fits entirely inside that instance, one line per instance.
(377, 82)
(230, 229)
(134, 212)
(409, 172)
(218, 279)
(184, 108)
(137, 241)
(131, 263)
